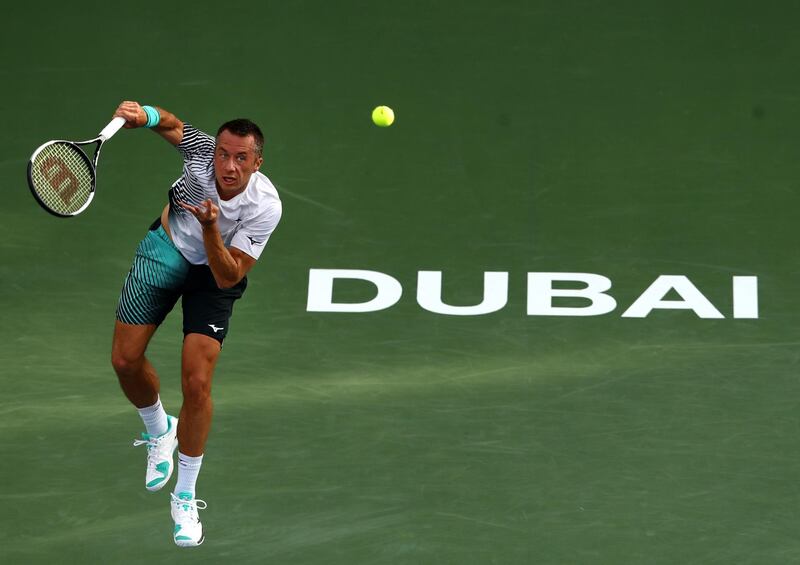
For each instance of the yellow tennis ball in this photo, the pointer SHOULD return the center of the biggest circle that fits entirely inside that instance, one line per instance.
(383, 116)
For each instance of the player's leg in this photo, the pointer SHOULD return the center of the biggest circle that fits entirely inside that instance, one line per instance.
(206, 314)
(150, 291)
(139, 382)
(137, 377)
(200, 354)
(199, 359)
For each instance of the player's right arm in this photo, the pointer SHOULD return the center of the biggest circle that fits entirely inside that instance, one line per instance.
(169, 127)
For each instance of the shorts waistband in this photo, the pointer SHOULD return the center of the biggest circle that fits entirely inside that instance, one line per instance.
(157, 229)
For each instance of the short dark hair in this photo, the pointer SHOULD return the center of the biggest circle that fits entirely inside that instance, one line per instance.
(244, 127)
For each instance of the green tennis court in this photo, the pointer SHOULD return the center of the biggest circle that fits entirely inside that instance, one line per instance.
(629, 140)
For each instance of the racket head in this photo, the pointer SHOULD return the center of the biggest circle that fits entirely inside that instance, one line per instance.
(61, 178)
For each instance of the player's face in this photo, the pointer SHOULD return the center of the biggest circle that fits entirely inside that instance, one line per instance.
(235, 161)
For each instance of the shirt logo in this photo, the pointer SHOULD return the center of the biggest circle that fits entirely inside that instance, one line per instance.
(254, 242)
(215, 328)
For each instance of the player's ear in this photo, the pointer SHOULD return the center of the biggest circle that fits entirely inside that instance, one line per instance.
(259, 160)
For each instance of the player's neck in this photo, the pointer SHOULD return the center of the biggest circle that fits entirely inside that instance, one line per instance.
(227, 194)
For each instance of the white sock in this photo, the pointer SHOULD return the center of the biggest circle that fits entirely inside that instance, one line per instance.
(188, 469)
(154, 418)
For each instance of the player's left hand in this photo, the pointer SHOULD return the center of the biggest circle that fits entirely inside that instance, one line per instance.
(206, 213)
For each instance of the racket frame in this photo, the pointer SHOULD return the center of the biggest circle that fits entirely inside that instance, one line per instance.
(113, 127)
(82, 153)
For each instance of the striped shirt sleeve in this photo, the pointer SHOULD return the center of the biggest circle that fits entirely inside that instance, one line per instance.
(195, 143)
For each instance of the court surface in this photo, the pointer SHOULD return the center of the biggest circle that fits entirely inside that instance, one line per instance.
(624, 139)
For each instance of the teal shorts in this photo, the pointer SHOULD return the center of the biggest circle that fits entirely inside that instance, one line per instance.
(160, 275)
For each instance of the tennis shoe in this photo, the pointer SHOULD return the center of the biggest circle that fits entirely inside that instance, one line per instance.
(188, 530)
(159, 455)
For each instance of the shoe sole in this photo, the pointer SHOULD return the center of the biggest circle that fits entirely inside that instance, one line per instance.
(187, 543)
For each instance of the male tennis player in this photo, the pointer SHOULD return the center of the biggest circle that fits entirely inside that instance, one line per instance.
(221, 213)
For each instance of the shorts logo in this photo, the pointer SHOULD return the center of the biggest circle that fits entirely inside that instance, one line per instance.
(215, 328)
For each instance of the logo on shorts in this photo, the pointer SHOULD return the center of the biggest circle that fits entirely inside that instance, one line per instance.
(215, 328)
(254, 242)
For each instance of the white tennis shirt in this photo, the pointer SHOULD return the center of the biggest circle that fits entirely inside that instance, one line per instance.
(245, 222)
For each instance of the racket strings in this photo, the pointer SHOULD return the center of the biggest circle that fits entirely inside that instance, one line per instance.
(62, 177)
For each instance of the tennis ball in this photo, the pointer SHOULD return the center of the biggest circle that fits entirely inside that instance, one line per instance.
(383, 116)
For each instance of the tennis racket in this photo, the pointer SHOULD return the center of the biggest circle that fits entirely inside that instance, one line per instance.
(61, 175)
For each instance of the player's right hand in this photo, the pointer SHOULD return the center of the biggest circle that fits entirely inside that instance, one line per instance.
(134, 114)
(205, 214)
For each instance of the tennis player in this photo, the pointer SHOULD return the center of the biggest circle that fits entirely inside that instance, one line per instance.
(221, 213)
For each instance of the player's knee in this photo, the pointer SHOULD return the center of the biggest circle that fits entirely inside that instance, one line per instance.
(125, 365)
(196, 387)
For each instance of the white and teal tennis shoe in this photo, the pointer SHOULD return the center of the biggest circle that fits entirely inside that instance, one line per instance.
(159, 455)
(188, 530)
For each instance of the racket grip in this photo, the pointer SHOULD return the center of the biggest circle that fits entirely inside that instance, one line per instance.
(112, 128)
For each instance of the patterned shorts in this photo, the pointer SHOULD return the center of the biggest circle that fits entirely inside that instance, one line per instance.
(160, 275)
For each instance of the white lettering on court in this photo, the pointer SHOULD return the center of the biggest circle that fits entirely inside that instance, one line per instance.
(745, 297)
(544, 290)
(429, 294)
(320, 290)
(541, 294)
(653, 297)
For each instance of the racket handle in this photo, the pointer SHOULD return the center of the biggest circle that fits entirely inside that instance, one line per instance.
(112, 128)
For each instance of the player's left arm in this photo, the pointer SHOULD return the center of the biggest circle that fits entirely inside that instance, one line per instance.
(229, 265)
